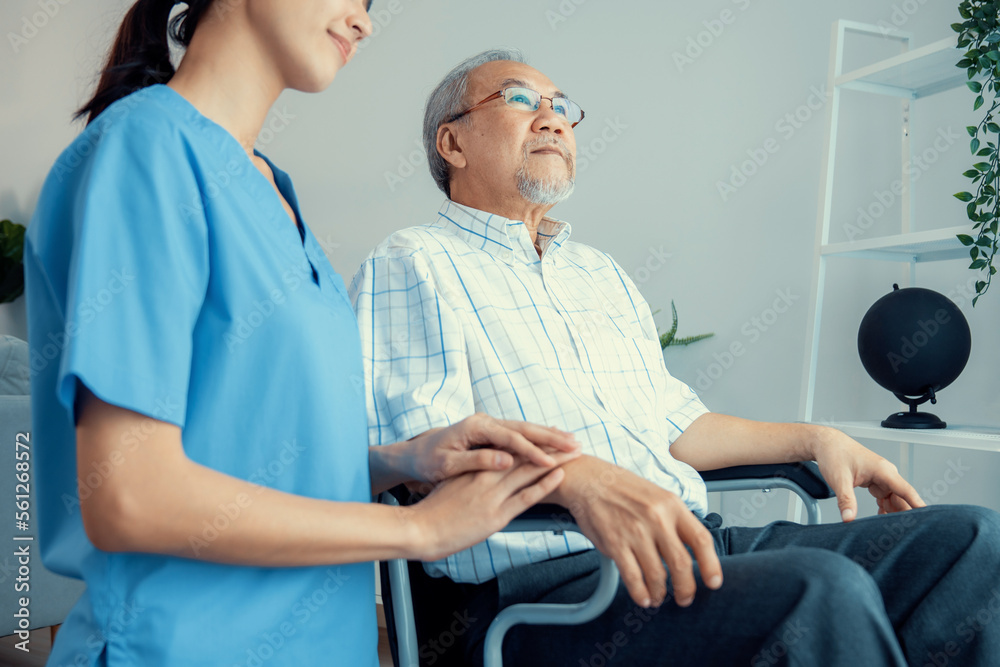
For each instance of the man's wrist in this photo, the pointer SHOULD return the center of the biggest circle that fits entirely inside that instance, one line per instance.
(817, 438)
(587, 477)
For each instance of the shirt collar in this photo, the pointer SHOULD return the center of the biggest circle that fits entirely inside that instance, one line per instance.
(499, 236)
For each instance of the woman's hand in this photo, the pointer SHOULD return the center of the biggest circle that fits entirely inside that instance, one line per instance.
(476, 443)
(466, 509)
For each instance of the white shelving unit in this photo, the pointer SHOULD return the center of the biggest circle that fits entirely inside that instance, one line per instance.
(913, 74)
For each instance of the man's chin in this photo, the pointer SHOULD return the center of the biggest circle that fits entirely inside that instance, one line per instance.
(546, 192)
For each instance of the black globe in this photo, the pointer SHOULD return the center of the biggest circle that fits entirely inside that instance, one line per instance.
(914, 342)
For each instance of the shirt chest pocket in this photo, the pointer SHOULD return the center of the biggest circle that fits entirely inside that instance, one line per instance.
(625, 370)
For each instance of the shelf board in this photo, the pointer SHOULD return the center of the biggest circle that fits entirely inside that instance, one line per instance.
(916, 73)
(983, 438)
(928, 246)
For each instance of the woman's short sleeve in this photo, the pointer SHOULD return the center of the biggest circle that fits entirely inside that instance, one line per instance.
(138, 271)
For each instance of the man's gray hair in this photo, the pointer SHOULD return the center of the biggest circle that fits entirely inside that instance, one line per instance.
(447, 100)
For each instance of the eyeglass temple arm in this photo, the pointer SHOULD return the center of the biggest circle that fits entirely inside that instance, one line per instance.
(492, 97)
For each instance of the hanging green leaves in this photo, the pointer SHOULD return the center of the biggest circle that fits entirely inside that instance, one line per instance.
(980, 33)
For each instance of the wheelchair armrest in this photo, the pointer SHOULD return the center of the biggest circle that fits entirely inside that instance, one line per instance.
(805, 473)
(543, 517)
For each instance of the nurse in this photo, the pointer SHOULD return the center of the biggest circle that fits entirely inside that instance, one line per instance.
(199, 416)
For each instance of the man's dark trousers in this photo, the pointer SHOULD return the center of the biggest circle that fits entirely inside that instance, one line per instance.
(918, 588)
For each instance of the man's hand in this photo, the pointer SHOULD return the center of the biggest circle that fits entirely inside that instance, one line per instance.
(639, 525)
(479, 442)
(846, 464)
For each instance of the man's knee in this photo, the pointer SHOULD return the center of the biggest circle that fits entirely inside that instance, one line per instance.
(961, 525)
(834, 581)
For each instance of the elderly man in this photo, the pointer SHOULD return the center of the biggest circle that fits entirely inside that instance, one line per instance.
(490, 307)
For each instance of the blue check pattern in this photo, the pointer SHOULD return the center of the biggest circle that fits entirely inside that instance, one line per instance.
(462, 316)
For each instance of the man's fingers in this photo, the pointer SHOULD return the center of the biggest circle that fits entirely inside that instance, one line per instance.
(905, 491)
(843, 486)
(631, 576)
(653, 572)
(679, 563)
(696, 536)
(897, 504)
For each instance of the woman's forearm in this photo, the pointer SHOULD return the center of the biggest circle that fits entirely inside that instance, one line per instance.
(157, 500)
(193, 511)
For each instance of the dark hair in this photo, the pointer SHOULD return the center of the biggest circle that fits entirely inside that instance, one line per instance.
(140, 55)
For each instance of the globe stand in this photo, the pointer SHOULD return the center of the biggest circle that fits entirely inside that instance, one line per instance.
(914, 419)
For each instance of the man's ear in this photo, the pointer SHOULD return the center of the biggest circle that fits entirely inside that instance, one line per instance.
(449, 148)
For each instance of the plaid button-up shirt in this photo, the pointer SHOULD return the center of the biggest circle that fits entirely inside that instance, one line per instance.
(462, 316)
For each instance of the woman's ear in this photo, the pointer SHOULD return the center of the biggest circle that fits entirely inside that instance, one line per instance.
(449, 147)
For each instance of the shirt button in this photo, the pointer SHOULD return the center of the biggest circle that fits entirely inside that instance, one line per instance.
(506, 255)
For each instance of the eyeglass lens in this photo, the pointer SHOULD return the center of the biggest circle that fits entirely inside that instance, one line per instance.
(527, 99)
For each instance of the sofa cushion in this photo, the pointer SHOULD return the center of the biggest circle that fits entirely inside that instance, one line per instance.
(15, 374)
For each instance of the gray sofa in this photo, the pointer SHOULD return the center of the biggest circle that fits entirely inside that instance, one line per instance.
(51, 596)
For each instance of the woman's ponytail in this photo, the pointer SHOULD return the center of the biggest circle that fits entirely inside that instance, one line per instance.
(140, 56)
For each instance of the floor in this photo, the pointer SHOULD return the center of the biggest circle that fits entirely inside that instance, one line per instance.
(40, 644)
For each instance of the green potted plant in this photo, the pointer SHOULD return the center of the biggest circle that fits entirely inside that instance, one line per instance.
(979, 32)
(669, 338)
(11, 261)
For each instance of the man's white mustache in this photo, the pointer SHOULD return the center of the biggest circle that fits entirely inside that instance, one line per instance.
(555, 141)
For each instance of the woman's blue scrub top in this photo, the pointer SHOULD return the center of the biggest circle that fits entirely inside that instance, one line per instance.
(164, 274)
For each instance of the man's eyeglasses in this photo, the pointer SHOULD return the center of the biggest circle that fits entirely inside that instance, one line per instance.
(526, 99)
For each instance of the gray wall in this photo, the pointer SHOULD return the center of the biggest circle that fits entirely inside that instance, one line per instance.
(661, 133)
